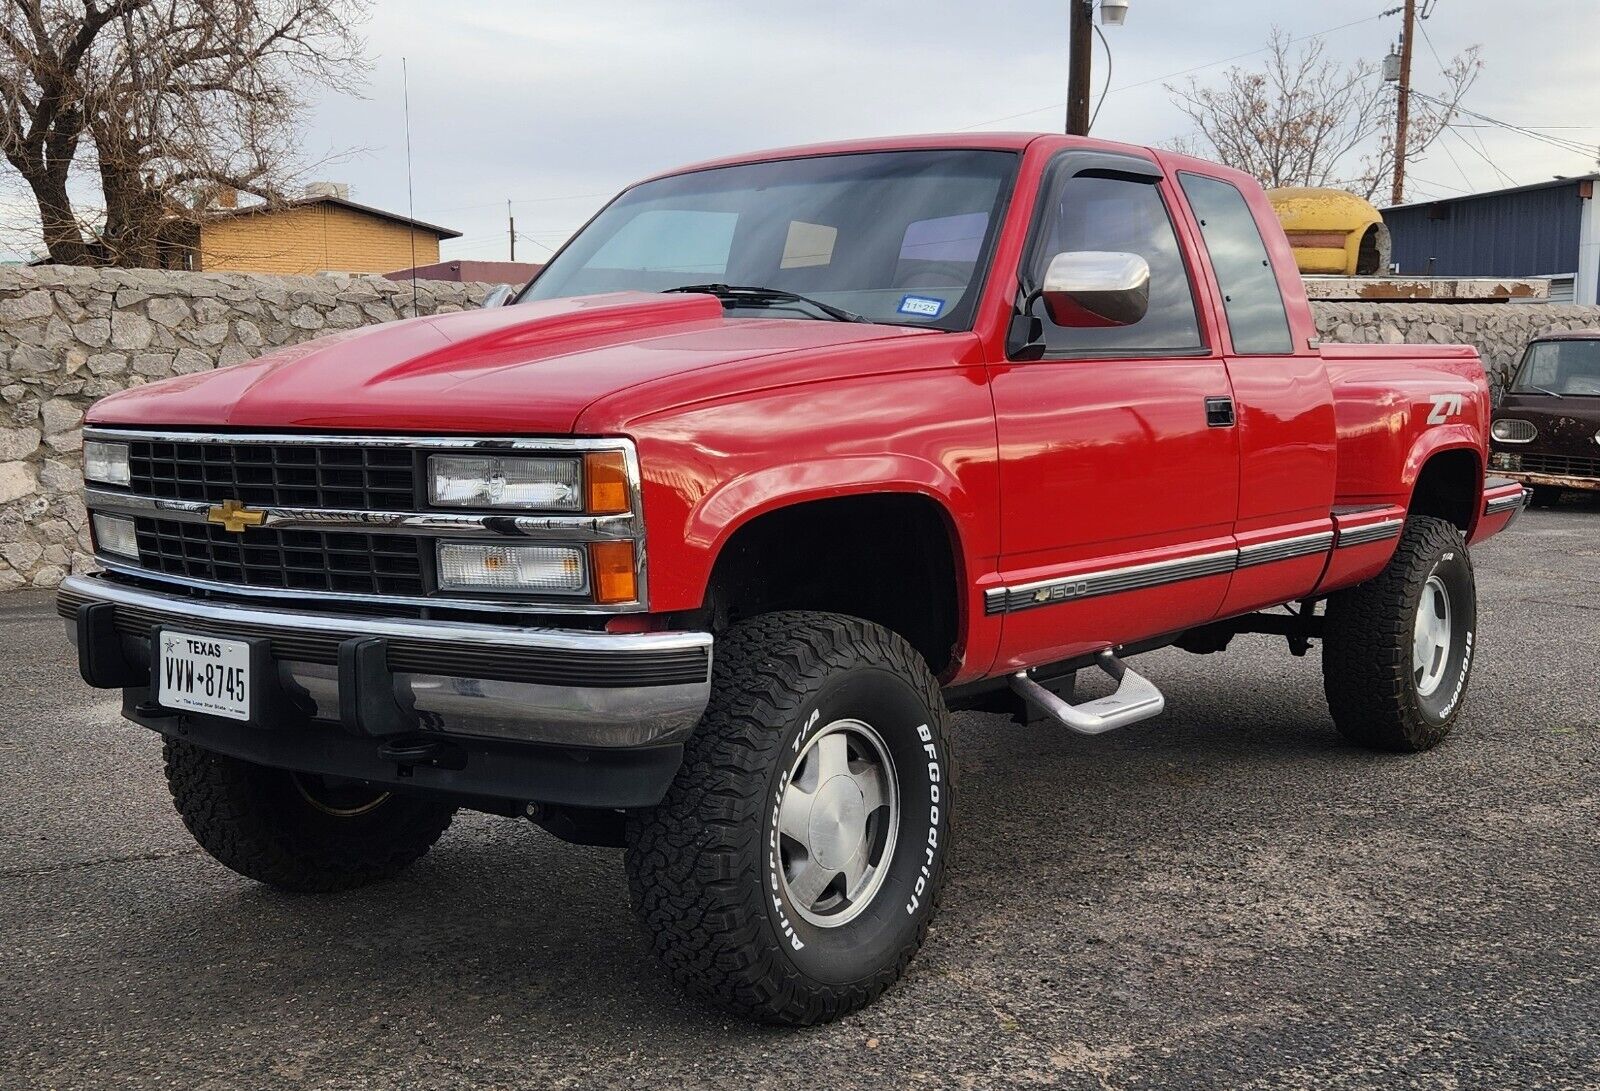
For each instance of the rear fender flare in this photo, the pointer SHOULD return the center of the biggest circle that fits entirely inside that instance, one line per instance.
(1435, 441)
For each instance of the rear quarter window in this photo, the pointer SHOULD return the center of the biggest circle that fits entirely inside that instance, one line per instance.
(1257, 320)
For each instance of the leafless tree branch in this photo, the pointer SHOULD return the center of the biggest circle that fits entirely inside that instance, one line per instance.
(166, 102)
(1305, 119)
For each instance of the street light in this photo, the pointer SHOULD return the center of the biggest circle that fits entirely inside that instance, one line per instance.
(1113, 13)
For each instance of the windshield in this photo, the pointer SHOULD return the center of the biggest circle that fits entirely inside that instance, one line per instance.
(1565, 368)
(896, 237)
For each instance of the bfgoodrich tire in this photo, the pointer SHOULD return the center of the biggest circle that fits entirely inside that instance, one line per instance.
(791, 872)
(1397, 650)
(297, 832)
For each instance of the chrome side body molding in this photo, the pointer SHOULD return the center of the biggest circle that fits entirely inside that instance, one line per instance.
(1370, 532)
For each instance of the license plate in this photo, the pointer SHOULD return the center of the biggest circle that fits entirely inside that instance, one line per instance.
(207, 674)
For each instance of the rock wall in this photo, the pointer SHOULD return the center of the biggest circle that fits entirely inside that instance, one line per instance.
(1499, 330)
(69, 336)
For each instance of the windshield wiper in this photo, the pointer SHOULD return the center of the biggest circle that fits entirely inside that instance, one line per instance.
(741, 293)
(1542, 390)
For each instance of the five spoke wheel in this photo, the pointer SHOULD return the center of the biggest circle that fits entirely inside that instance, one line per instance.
(1430, 637)
(837, 822)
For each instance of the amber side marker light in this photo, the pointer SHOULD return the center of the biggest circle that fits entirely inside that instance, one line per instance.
(612, 567)
(605, 475)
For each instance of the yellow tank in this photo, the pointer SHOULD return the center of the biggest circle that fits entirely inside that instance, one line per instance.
(1332, 232)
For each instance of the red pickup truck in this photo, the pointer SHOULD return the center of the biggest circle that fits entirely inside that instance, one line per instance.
(693, 546)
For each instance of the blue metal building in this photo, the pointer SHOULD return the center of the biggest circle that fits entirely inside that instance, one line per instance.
(1546, 229)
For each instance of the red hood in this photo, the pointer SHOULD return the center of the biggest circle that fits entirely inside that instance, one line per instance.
(525, 369)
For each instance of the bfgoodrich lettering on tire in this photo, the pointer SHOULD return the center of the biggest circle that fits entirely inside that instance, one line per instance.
(1397, 650)
(791, 871)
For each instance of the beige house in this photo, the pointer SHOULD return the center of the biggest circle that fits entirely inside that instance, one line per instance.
(319, 233)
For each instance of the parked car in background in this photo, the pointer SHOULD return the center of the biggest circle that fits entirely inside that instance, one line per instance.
(1546, 431)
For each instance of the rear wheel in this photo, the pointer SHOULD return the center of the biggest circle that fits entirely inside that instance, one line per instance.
(1397, 650)
(298, 831)
(792, 870)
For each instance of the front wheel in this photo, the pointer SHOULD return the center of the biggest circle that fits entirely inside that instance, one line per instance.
(298, 831)
(792, 870)
(1397, 650)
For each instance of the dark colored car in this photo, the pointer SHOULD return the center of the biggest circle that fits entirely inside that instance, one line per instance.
(1546, 431)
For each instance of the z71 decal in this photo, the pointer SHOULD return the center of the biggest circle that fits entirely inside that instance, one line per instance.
(1445, 406)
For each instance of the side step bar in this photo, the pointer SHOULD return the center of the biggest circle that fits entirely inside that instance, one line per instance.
(1136, 699)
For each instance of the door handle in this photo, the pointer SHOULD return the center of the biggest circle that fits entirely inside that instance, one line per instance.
(1219, 412)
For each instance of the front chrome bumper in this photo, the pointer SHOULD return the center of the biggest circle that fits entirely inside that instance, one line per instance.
(558, 687)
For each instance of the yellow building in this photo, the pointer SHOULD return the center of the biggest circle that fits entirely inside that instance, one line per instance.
(322, 233)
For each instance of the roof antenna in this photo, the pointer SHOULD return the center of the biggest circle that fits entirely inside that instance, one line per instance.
(411, 209)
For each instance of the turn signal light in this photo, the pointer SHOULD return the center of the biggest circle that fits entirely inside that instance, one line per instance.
(612, 567)
(605, 475)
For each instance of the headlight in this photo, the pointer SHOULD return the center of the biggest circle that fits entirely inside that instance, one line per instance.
(1512, 430)
(469, 566)
(106, 463)
(491, 481)
(115, 534)
(596, 484)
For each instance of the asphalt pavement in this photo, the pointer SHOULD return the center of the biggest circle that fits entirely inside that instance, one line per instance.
(1228, 896)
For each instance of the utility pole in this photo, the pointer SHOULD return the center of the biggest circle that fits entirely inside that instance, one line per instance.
(1402, 106)
(1081, 44)
(511, 229)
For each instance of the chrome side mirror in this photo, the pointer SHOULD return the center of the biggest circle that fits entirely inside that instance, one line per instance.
(1096, 288)
(499, 296)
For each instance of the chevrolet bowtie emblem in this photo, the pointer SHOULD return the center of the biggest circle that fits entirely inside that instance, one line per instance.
(233, 517)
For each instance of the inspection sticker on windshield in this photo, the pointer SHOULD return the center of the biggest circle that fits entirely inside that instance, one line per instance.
(921, 305)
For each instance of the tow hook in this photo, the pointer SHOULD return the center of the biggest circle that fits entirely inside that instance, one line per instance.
(434, 753)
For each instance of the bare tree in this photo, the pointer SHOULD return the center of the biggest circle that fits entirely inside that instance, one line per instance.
(165, 103)
(1305, 119)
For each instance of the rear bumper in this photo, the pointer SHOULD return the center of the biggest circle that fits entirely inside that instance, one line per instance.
(476, 709)
(1557, 481)
(1503, 501)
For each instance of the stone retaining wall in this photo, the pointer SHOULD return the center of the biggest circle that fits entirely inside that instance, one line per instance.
(1499, 330)
(69, 336)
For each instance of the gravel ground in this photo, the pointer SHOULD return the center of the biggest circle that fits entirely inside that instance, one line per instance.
(1226, 897)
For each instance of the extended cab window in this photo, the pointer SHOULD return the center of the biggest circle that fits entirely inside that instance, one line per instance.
(1250, 295)
(897, 237)
(1098, 213)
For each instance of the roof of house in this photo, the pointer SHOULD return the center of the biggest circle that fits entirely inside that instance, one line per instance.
(302, 202)
(479, 272)
(1571, 179)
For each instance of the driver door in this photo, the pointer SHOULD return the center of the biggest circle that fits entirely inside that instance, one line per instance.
(1119, 460)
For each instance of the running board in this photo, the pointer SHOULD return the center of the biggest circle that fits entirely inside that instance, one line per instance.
(1136, 699)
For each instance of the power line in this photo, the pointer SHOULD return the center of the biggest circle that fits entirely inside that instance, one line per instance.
(1554, 141)
(1182, 71)
(1482, 154)
(1105, 88)
(523, 201)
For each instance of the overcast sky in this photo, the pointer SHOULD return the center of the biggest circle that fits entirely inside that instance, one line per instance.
(557, 105)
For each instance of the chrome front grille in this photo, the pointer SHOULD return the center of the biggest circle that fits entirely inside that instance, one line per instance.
(1561, 465)
(276, 475)
(337, 518)
(284, 560)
